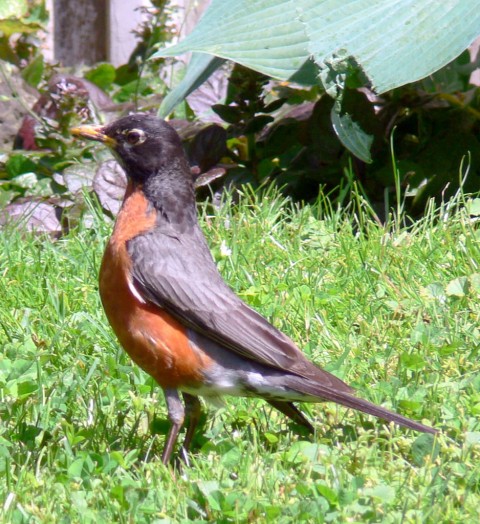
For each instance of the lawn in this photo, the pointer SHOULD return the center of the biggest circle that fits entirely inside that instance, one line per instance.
(392, 310)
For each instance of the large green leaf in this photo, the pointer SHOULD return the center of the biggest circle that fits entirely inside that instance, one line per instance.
(262, 35)
(393, 41)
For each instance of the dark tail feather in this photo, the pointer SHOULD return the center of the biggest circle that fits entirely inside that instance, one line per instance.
(350, 401)
(292, 412)
(378, 411)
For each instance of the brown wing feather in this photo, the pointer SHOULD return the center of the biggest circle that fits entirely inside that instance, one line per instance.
(178, 274)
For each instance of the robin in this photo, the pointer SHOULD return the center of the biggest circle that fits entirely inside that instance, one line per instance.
(170, 308)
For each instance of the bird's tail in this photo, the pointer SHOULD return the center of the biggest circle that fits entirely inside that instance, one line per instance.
(351, 401)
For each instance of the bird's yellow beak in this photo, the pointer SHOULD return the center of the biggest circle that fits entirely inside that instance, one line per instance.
(94, 133)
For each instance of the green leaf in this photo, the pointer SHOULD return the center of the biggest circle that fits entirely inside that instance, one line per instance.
(12, 26)
(424, 446)
(410, 405)
(424, 35)
(76, 467)
(211, 491)
(381, 492)
(434, 290)
(32, 74)
(270, 437)
(266, 36)
(257, 123)
(473, 206)
(13, 8)
(475, 282)
(273, 106)
(103, 75)
(27, 387)
(230, 114)
(25, 180)
(328, 493)
(458, 287)
(19, 164)
(472, 438)
(232, 458)
(413, 361)
(352, 135)
(302, 450)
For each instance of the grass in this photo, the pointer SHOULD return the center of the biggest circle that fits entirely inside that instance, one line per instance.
(392, 310)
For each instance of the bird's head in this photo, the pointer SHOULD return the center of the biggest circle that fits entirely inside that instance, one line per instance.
(152, 155)
(143, 144)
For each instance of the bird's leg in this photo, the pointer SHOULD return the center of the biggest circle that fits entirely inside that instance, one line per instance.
(291, 411)
(176, 414)
(194, 410)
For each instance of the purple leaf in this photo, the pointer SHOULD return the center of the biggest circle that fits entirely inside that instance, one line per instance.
(32, 215)
(110, 183)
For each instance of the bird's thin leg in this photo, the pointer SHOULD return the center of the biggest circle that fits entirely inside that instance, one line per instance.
(193, 410)
(291, 411)
(176, 414)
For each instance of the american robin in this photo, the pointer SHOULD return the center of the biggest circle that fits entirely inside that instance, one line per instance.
(170, 308)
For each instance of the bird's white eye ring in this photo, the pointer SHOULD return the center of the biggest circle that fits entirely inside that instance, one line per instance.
(135, 136)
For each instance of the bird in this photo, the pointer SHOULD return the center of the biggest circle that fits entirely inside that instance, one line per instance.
(172, 311)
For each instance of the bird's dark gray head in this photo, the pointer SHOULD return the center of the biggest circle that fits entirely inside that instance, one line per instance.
(152, 155)
(143, 144)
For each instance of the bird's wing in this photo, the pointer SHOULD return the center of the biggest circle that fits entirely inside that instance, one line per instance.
(178, 274)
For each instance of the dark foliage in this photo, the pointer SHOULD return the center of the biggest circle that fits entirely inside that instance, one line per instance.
(262, 132)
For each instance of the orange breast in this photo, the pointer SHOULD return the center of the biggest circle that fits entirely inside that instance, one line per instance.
(155, 341)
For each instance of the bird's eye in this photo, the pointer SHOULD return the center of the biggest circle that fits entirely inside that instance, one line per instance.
(135, 137)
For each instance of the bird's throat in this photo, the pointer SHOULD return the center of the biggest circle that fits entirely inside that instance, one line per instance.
(171, 193)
